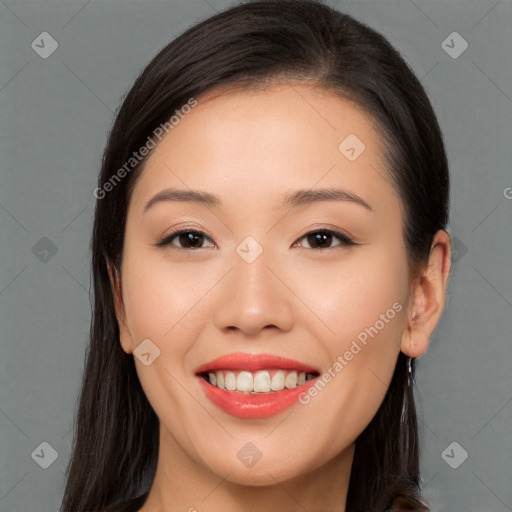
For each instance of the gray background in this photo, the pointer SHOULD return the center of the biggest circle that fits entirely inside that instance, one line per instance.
(55, 117)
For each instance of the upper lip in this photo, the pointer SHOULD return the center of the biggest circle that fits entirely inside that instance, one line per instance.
(253, 363)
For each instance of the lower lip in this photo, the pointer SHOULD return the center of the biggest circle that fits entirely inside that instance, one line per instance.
(261, 405)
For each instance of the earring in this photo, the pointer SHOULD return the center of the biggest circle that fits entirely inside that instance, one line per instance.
(409, 382)
(409, 371)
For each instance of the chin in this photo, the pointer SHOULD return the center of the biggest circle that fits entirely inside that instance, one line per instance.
(265, 472)
(263, 477)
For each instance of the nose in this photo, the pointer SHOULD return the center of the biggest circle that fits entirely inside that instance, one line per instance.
(254, 297)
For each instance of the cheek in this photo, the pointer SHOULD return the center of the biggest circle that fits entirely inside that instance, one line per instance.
(163, 304)
(363, 303)
(165, 301)
(353, 294)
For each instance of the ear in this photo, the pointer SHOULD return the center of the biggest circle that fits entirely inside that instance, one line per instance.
(117, 292)
(428, 296)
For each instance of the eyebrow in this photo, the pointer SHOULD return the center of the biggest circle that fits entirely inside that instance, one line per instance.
(297, 198)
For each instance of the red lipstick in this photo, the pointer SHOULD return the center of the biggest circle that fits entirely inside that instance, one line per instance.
(254, 404)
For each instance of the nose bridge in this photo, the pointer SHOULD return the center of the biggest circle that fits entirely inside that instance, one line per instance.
(253, 276)
(253, 298)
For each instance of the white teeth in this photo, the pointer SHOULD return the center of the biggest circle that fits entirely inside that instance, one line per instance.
(258, 382)
(291, 380)
(262, 382)
(244, 382)
(230, 381)
(277, 383)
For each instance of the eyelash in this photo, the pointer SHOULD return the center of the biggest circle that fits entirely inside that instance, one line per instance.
(344, 239)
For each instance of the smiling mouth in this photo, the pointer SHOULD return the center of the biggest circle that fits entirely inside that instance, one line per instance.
(254, 386)
(258, 382)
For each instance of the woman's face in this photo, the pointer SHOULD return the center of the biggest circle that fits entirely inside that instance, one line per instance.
(262, 275)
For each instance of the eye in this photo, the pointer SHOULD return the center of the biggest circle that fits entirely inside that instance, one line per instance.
(324, 238)
(189, 238)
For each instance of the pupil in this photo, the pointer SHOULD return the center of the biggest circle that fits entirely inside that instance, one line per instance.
(189, 237)
(321, 237)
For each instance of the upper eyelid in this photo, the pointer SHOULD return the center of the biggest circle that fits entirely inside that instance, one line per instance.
(167, 238)
(341, 236)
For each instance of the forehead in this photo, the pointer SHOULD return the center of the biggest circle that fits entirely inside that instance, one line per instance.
(257, 142)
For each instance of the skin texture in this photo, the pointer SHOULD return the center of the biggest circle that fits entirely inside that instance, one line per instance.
(295, 300)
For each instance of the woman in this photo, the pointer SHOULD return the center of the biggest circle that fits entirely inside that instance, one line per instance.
(269, 258)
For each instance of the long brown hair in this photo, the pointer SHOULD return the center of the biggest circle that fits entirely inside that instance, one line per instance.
(115, 446)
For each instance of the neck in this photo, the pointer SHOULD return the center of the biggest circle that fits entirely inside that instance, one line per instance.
(182, 483)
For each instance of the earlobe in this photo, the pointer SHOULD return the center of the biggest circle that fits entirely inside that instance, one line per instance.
(117, 294)
(428, 296)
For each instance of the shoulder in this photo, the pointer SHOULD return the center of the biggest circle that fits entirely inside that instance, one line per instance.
(405, 504)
